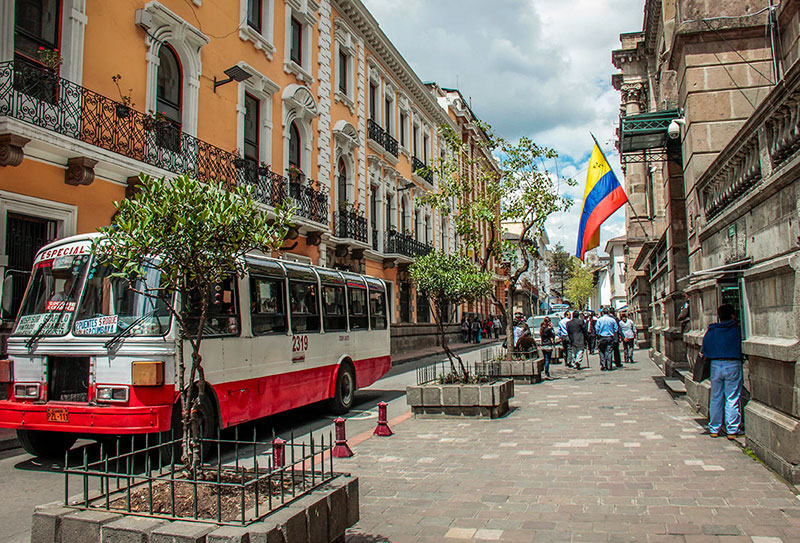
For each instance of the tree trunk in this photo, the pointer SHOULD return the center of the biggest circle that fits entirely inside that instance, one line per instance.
(437, 316)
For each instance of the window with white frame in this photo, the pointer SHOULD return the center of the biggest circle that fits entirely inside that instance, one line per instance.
(300, 20)
(403, 129)
(255, 117)
(256, 26)
(345, 64)
(415, 141)
(388, 113)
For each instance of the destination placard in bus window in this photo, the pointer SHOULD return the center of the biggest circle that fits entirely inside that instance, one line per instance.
(97, 326)
(57, 325)
(53, 305)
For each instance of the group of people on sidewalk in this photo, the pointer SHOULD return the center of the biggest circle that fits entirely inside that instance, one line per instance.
(579, 334)
(475, 329)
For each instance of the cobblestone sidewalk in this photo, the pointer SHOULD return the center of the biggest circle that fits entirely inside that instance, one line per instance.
(589, 456)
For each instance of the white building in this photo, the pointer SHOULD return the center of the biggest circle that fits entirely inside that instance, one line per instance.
(602, 293)
(615, 247)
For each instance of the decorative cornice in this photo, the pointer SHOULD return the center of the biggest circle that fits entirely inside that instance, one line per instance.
(380, 46)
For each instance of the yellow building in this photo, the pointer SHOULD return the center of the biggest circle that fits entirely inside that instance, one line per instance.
(304, 99)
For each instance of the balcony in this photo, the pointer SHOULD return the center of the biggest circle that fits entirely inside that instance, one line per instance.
(403, 244)
(37, 96)
(380, 136)
(374, 238)
(350, 225)
(421, 170)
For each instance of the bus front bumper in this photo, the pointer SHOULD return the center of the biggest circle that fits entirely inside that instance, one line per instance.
(85, 419)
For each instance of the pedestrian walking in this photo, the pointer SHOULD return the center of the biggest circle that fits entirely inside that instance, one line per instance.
(607, 330)
(617, 339)
(487, 327)
(563, 335)
(519, 329)
(722, 345)
(628, 332)
(548, 338)
(465, 329)
(576, 330)
(474, 327)
(591, 321)
(496, 325)
(478, 328)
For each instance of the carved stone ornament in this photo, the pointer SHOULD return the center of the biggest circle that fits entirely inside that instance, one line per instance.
(80, 171)
(633, 92)
(357, 254)
(388, 263)
(313, 238)
(133, 187)
(11, 153)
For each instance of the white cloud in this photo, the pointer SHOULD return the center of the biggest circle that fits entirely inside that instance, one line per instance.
(540, 68)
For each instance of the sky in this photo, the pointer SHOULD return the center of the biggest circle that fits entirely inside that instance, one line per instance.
(537, 68)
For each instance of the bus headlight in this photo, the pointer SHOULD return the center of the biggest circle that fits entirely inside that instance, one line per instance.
(27, 391)
(112, 394)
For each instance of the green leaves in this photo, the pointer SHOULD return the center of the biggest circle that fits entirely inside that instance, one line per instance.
(580, 285)
(450, 279)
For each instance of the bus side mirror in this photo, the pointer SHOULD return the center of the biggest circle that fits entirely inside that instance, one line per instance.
(8, 294)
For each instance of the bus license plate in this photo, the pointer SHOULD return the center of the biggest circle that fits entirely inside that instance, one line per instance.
(57, 414)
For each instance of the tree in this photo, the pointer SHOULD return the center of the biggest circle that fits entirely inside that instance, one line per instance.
(560, 264)
(449, 280)
(514, 186)
(580, 285)
(195, 235)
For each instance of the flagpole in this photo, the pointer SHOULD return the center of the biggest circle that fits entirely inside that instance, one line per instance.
(627, 200)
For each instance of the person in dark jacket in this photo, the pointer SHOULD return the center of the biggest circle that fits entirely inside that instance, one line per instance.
(548, 338)
(576, 329)
(722, 345)
(617, 340)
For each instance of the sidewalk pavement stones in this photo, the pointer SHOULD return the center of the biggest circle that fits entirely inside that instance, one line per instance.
(555, 469)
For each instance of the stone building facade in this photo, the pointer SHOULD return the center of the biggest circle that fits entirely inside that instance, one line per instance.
(729, 194)
(304, 99)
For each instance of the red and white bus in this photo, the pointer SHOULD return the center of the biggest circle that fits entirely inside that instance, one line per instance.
(89, 356)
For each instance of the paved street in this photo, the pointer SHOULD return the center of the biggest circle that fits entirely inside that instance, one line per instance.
(587, 457)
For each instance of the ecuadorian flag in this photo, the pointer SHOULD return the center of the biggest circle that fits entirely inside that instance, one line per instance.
(602, 197)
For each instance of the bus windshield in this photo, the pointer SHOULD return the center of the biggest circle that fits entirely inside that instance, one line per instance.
(111, 305)
(52, 295)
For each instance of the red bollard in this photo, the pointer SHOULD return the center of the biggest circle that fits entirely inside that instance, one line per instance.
(278, 452)
(341, 449)
(382, 429)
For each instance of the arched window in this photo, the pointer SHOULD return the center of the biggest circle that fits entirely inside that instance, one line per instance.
(170, 84)
(294, 146)
(341, 185)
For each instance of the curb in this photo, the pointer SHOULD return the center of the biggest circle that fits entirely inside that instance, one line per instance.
(7, 444)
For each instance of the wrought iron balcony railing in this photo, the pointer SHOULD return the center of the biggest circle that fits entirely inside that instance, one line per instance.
(350, 225)
(38, 96)
(406, 245)
(374, 238)
(376, 133)
(421, 169)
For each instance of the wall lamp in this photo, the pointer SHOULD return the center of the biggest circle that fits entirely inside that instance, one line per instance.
(234, 73)
(408, 186)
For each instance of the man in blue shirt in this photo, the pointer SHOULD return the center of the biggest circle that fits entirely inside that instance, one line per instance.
(722, 345)
(606, 328)
(564, 335)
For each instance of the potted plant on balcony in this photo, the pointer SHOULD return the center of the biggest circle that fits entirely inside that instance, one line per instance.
(344, 205)
(263, 168)
(123, 108)
(50, 59)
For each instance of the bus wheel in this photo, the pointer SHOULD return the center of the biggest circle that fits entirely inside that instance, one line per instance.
(46, 444)
(345, 393)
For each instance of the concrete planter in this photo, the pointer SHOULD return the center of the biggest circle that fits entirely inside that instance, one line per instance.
(488, 400)
(321, 516)
(525, 371)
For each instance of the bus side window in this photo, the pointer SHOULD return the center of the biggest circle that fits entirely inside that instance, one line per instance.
(222, 317)
(333, 308)
(358, 307)
(267, 306)
(377, 309)
(305, 307)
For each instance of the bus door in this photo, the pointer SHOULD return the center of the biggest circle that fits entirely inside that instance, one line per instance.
(334, 315)
(357, 309)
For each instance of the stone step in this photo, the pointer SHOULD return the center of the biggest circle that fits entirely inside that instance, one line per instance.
(684, 374)
(675, 385)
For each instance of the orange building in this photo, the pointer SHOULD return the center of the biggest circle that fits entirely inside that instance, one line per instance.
(303, 99)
